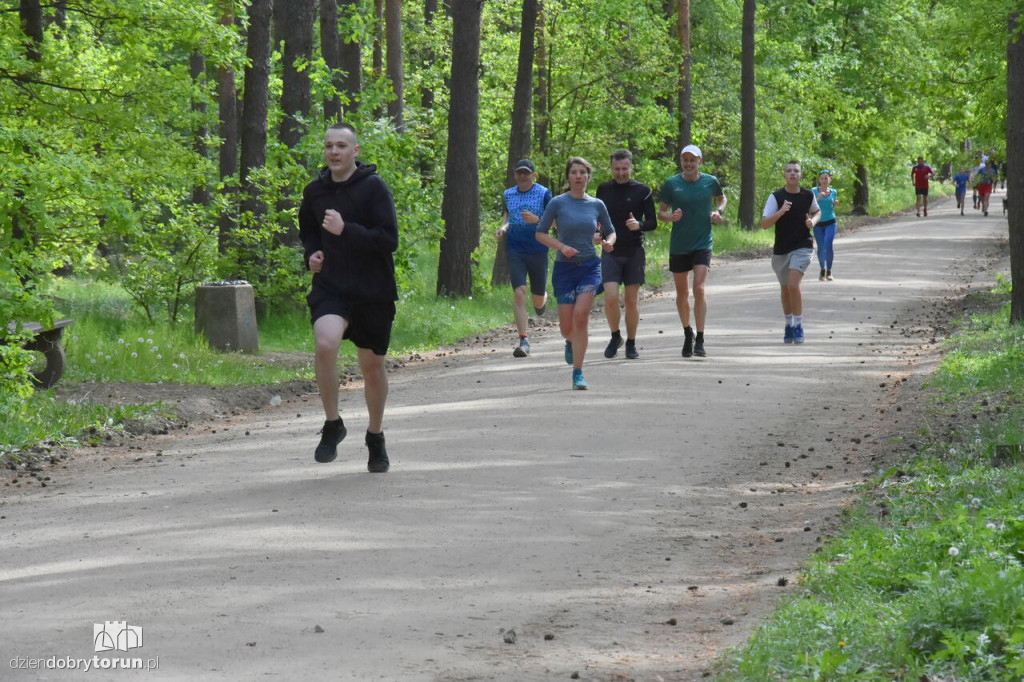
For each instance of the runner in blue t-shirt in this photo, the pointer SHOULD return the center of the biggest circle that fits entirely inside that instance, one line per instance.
(524, 204)
(960, 180)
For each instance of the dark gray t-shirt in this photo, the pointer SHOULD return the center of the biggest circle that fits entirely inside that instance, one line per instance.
(577, 220)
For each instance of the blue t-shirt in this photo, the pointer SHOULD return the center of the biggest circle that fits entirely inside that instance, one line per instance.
(578, 220)
(521, 237)
(826, 204)
(960, 180)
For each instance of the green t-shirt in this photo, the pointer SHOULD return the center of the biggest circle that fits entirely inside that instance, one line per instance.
(692, 232)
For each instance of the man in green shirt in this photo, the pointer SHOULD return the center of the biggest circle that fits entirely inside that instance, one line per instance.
(686, 201)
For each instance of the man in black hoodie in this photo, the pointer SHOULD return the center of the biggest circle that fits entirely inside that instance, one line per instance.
(349, 232)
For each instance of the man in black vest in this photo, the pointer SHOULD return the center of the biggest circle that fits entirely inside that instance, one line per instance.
(794, 212)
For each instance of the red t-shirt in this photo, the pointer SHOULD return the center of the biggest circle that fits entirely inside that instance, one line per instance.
(921, 174)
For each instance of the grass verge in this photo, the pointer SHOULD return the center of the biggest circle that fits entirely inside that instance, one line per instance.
(926, 581)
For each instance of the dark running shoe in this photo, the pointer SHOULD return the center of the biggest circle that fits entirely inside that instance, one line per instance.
(333, 433)
(688, 343)
(378, 462)
(613, 347)
(698, 347)
(631, 353)
(523, 349)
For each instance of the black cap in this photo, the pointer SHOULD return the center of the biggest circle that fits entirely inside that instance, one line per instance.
(525, 164)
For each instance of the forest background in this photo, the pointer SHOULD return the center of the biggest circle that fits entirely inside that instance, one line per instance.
(159, 144)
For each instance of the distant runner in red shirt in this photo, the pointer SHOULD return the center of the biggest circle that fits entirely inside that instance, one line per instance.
(921, 173)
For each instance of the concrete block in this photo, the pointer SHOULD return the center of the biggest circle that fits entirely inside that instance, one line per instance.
(226, 315)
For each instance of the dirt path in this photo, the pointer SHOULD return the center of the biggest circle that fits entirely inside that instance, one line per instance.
(629, 532)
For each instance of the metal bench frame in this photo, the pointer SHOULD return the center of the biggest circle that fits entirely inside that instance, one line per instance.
(47, 342)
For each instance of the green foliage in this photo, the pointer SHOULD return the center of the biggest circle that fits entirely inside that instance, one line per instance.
(43, 419)
(932, 586)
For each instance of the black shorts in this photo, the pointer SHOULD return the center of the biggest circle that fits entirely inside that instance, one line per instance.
(369, 324)
(626, 268)
(684, 262)
(921, 191)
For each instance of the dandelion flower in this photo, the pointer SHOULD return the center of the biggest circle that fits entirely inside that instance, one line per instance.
(159, 356)
(953, 551)
(135, 355)
(120, 340)
(991, 526)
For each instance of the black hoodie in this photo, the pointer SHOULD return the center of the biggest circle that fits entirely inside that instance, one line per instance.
(358, 265)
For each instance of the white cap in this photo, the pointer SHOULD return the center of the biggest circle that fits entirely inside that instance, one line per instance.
(692, 149)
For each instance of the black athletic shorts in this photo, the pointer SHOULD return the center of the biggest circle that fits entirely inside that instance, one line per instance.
(684, 262)
(921, 191)
(369, 324)
(625, 268)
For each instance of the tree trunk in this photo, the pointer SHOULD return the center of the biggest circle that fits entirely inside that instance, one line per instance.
(197, 69)
(540, 121)
(748, 113)
(378, 47)
(330, 48)
(519, 135)
(861, 196)
(685, 112)
(351, 60)
(460, 208)
(396, 70)
(429, 10)
(254, 104)
(1015, 161)
(227, 101)
(294, 26)
(31, 16)
(294, 20)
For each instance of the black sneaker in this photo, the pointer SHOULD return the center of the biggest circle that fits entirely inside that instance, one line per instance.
(688, 342)
(613, 347)
(378, 462)
(631, 350)
(333, 433)
(698, 347)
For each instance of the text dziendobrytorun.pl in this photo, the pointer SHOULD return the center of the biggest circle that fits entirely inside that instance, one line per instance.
(86, 664)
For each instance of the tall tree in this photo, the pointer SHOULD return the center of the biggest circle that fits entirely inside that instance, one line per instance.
(330, 50)
(351, 57)
(395, 59)
(30, 14)
(519, 133)
(294, 24)
(197, 69)
(378, 46)
(429, 10)
(748, 122)
(227, 101)
(541, 102)
(254, 104)
(685, 68)
(460, 208)
(1015, 161)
